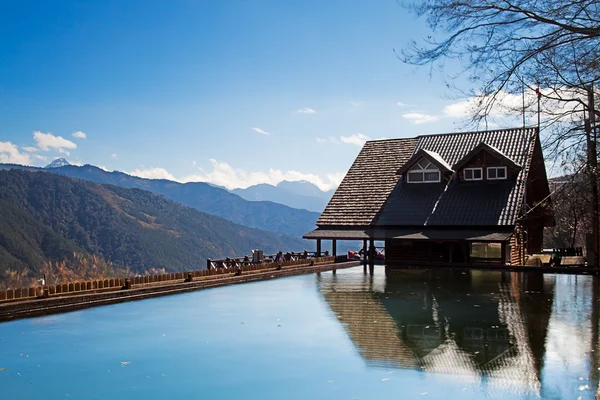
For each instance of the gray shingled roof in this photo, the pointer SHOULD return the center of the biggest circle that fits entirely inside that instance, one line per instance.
(368, 183)
(372, 195)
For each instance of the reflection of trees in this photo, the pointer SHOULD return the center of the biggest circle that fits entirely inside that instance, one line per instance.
(481, 324)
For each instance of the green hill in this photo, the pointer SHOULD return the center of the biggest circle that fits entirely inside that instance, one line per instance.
(46, 217)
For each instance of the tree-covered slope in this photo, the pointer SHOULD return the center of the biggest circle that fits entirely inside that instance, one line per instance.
(204, 197)
(47, 217)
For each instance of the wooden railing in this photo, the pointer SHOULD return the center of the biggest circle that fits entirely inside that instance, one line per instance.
(107, 285)
(234, 262)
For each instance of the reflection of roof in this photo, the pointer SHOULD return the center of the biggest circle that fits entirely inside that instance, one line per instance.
(408, 326)
(371, 329)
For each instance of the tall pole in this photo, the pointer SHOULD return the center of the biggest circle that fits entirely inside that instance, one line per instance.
(592, 161)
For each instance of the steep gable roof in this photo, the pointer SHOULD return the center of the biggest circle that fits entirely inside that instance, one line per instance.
(491, 149)
(432, 156)
(373, 194)
(368, 183)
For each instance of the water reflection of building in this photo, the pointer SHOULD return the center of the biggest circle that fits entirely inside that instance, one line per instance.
(478, 324)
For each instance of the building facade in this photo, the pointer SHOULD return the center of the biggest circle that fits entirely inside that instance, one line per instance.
(459, 198)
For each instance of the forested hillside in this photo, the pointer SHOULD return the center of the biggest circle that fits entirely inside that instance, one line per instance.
(46, 217)
(202, 196)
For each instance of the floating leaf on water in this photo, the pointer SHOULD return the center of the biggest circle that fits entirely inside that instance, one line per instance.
(3, 369)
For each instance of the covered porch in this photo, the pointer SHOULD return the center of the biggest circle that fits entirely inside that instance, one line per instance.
(424, 247)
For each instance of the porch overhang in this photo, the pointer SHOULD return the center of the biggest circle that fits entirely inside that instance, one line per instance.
(337, 234)
(469, 235)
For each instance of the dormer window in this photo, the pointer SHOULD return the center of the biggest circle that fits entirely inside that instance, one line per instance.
(496, 173)
(473, 174)
(423, 172)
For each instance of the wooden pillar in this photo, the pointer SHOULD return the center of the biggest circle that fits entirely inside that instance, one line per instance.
(334, 247)
(364, 252)
(371, 256)
(318, 248)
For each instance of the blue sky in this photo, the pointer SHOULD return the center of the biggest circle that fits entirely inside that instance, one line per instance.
(233, 92)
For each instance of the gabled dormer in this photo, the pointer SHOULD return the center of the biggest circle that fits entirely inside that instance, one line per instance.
(485, 162)
(425, 167)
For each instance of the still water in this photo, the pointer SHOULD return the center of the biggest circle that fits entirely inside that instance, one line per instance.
(410, 335)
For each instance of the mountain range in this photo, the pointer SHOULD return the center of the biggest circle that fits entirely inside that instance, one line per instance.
(265, 215)
(298, 194)
(46, 217)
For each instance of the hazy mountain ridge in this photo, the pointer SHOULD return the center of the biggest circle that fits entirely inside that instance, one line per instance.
(202, 196)
(46, 217)
(300, 194)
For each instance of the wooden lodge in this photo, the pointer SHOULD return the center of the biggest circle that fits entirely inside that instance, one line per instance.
(446, 199)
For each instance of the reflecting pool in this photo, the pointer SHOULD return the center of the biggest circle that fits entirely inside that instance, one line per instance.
(426, 334)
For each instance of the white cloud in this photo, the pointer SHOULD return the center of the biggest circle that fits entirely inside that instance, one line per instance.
(194, 163)
(403, 105)
(153, 173)
(306, 110)
(420, 118)
(260, 131)
(30, 149)
(511, 105)
(47, 141)
(329, 139)
(39, 157)
(114, 155)
(79, 135)
(223, 174)
(9, 153)
(358, 139)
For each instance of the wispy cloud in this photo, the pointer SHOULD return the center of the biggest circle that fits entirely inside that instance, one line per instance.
(329, 139)
(306, 110)
(10, 154)
(194, 163)
(114, 155)
(355, 104)
(358, 139)
(223, 174)
(420, 118)
(404, 105)
(258, 130)
(153, 173)
(30, 149)
(47, 141)
(79, 135)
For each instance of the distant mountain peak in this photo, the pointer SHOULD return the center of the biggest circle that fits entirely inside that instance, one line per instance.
(59, 162)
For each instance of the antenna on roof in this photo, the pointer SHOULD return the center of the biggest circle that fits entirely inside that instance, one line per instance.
(523, 93)
(539, 97)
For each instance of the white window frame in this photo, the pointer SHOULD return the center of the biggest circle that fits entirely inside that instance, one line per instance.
(497, 169)
(472, 174)
(428, 168)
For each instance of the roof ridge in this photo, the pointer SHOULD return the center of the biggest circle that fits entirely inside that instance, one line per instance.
(476, 132)
(391, 139)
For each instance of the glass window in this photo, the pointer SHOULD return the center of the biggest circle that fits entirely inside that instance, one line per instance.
(424, 171)
(486, 250)
(494, 173)
(473, 174)
(415, 176)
